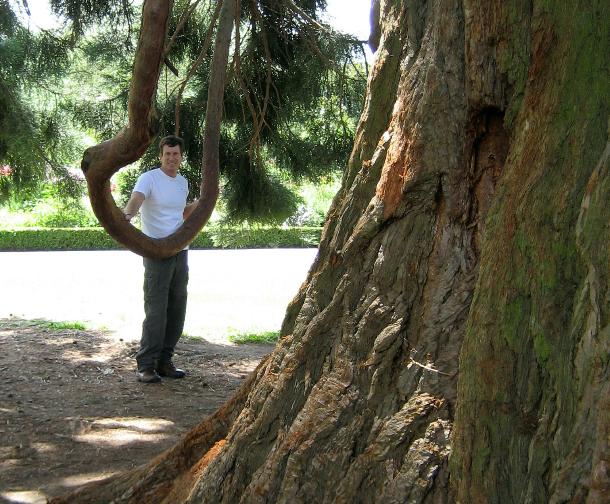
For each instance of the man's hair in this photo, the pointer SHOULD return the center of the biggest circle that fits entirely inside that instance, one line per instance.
(171, 141)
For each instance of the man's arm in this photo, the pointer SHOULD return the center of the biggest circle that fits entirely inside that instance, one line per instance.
(133, 205)
(188, 209)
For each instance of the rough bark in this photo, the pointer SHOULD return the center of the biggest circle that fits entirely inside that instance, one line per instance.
(533, 413)
(472, 224)
(103, 160)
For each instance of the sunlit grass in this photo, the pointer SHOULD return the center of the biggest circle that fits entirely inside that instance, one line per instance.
(237, 337)
(190, 338)
(16, 323)
(62, 326)
(264, 337)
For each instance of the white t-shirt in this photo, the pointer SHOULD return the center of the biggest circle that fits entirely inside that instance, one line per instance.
(164, 202)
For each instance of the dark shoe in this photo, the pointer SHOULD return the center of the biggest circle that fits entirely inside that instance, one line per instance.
(168, 369)
(148, 376)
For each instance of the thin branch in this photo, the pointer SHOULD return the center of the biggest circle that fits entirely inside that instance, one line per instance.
(27, 7)
(366, 63)
(258, 125)
(257, 113)
(313, 44)
(171, 66)
(310, 21)
(342, 92)
(238, 75)
(183, 19)
(356, 68)
(202, 53)
(428, 368)
(196, 65)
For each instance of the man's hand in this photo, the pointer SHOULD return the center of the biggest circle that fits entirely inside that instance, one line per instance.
(188, 209)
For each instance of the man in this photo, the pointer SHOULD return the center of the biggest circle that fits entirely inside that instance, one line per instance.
(161, 194)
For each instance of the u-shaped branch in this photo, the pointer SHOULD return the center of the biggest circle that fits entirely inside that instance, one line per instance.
(105, 159)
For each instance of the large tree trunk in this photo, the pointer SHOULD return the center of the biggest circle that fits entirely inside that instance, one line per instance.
(473, 218)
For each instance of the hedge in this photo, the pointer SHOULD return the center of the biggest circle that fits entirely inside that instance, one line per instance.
(96, 238)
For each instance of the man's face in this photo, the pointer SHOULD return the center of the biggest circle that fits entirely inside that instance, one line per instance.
(170, 157)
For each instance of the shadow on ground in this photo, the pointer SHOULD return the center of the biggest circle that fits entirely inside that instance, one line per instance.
(72, 411)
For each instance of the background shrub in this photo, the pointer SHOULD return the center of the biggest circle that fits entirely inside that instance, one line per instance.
(96, 238)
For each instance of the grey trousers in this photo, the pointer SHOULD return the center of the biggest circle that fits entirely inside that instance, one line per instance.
(165, 292)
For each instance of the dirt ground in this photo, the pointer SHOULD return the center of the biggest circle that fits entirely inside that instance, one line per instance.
(71, 410)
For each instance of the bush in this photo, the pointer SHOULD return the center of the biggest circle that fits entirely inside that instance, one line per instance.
(125, 182)
(264, 237)
(56, 239)
(96, 238)
(49, 210)
(317, 199)
(67, 218)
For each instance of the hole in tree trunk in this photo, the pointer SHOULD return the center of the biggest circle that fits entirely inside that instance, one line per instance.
(489, 150)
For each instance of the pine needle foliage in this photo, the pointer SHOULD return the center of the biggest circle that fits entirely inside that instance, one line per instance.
(290, 108)
(293, 96)
(85, 14)
(35, 143)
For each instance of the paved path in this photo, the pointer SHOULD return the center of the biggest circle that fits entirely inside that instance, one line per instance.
(230, 291)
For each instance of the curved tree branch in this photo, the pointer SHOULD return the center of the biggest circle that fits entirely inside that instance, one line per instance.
(195, 66)
(103, 160)
(213, 116)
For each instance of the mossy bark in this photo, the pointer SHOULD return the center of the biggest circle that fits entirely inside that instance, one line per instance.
(472, 220)
(533, 414)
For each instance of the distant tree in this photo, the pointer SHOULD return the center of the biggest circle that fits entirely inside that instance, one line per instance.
(35, 142)
(304, 78)
(294, 92)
